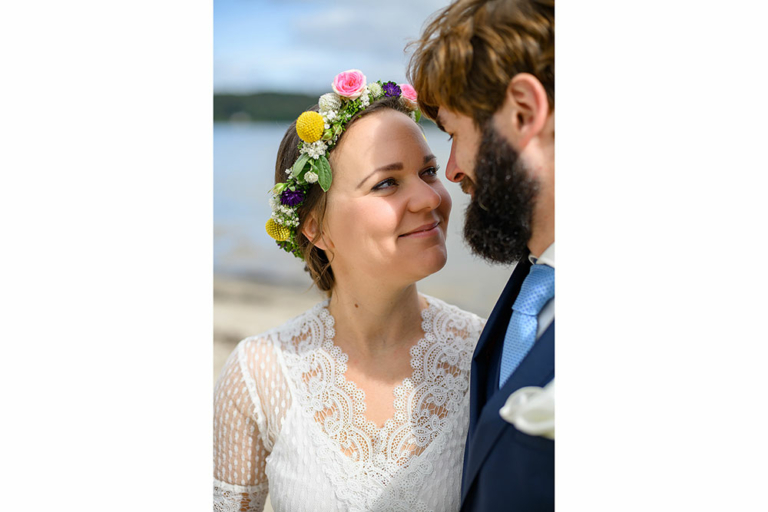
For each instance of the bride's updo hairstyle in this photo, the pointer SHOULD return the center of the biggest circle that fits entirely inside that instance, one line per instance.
(315, 260)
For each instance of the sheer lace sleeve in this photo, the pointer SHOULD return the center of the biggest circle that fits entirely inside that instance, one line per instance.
(239, 453)
(251, 400)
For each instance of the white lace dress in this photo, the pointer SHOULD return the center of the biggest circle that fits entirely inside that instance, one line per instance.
(288, 422)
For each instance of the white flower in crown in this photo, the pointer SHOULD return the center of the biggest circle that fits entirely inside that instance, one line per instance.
(315, 149)
(329, 102)
(310, 177)
(365, 97)
(375, 89)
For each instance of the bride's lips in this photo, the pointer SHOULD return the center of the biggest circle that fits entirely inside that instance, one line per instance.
(425, 230)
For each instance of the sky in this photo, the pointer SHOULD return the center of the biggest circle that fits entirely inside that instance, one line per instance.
(299, 46)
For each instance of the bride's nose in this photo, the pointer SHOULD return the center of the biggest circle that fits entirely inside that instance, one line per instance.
(423, 197)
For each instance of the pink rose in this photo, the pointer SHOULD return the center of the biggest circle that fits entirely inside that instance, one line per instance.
(408, 92)
(349, 84)
(408, 96)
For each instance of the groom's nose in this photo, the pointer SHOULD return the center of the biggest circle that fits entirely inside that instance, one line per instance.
(452, 170)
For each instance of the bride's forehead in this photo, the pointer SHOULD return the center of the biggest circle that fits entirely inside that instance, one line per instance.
(381, 125)
(380, 135)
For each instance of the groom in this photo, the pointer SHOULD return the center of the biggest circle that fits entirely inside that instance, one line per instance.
(484, 71)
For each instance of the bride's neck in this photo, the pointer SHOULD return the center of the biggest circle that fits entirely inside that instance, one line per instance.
(376, 321)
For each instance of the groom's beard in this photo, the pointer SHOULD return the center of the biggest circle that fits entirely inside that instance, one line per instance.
(498, 218)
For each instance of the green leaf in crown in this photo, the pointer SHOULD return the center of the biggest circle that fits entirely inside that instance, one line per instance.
(299, 165)
(324, 175)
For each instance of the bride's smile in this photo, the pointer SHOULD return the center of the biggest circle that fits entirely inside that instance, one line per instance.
(387, 209)
(423, 231)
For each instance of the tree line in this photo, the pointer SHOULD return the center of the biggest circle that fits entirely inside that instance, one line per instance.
(263, 106)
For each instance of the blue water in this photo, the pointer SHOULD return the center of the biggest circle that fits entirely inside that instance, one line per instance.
(244, 164)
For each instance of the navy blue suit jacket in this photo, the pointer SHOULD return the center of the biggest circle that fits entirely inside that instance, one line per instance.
(505, 469)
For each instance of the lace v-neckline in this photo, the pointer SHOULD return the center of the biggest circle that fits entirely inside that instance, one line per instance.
(367, 465)
(285, 413)
(401, 392)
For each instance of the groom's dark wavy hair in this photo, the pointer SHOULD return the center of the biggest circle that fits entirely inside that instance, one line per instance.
(315, 260)
(469, 52)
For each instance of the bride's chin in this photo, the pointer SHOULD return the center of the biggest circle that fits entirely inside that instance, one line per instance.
(434, 260)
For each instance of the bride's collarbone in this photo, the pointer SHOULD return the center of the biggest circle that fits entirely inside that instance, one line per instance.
(377, 368)
(378, 381)
(378, 375)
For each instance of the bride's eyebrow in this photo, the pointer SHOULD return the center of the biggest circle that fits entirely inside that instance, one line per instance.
(397, 166)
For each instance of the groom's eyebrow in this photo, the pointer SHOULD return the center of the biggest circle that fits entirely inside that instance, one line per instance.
(397, 166)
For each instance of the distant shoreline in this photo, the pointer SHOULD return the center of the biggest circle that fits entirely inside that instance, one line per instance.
(262, 106)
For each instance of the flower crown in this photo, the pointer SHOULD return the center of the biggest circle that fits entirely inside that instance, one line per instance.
(319, 132)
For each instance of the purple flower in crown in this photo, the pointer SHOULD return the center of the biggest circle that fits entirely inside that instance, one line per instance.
(391, 89)
(291, 197)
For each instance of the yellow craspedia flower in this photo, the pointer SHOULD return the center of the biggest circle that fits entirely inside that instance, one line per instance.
(278, 232)
(310, 126)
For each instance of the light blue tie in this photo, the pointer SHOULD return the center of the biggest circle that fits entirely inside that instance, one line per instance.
(538, 289)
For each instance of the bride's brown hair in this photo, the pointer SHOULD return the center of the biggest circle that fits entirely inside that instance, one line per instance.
(315, 260)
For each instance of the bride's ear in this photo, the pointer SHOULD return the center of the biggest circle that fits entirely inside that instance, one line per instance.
(310, 230)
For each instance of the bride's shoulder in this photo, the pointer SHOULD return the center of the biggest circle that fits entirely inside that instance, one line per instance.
(285, 334)
(455, 318)
(262, 353)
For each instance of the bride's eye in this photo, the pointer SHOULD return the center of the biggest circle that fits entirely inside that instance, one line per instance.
(430, 172)
(383, 185)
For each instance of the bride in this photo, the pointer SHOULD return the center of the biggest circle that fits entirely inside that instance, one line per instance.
(361, 402)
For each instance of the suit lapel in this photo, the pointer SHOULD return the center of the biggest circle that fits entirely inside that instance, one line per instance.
(537, 369)
(485, 371)
(485, 368)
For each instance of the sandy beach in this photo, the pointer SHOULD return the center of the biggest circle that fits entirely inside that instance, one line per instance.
(243, 307)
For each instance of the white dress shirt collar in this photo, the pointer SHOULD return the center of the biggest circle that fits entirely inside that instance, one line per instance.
(546, 258)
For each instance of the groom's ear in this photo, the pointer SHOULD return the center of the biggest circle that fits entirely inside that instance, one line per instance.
(310, 230)
(525, 110)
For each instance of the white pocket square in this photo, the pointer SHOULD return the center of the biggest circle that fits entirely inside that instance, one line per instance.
(532, 410)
